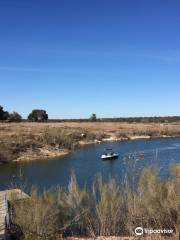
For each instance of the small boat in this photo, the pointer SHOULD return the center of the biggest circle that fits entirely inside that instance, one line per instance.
(109, 154)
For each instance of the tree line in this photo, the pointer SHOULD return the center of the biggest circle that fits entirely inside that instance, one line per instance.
(41, 115)
(35, 116)
(12, 117)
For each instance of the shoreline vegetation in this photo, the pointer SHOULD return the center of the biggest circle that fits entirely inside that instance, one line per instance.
(26, 141)
(105, 209)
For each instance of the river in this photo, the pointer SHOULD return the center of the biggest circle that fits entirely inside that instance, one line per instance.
(86, 164)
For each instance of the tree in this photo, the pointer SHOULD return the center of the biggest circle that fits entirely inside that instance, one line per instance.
(93, 117)
(38, 115)
(15, 117)
(4, 115)
(1, 113)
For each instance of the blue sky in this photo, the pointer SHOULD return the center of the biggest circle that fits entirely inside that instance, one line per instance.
(72, 58)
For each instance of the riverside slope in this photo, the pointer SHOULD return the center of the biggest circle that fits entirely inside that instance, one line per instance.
(30, 141)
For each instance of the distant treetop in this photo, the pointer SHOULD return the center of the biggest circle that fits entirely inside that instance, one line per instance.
(15, 117)
(38, 115)
(93, 117)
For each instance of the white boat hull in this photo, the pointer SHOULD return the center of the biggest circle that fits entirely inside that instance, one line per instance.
(109, 156)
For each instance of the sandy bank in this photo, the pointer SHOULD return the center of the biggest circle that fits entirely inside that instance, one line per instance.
(41, 154)
(44, 153)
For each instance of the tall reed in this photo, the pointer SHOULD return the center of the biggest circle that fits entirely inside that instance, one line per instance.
(107, 209)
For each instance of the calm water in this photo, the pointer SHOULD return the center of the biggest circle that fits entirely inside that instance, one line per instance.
(86, 163)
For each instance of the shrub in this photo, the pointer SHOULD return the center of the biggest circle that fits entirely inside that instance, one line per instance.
(37, 216)
(61, 138)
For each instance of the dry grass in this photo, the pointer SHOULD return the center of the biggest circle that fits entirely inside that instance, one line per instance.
(10, 129)
(39, 140)
(105, 210)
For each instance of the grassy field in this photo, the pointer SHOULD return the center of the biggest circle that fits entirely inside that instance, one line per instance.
(27, 141)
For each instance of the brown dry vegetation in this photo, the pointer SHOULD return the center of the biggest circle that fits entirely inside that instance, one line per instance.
(26, 141)
(107, 209)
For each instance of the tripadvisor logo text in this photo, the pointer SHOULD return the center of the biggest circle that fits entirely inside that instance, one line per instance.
(140, 231)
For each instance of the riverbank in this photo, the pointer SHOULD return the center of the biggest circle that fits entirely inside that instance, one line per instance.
(30, 141)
